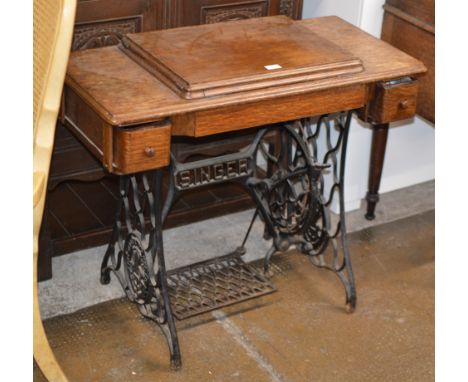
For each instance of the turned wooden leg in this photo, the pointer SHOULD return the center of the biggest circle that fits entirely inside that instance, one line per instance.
(379, 144)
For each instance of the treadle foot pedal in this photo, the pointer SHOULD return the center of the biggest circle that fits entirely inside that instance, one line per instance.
(214, 283)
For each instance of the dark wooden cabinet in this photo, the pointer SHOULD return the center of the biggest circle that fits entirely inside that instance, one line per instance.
(81, 198)
(409, 25)
(194, 12)
(103, 22)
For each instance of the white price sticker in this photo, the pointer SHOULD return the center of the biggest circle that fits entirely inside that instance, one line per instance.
(273, 67)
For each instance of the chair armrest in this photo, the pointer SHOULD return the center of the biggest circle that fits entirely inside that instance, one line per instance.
(38, 187)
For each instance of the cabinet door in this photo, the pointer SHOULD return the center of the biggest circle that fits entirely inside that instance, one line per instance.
(194, 12)
(103, 22)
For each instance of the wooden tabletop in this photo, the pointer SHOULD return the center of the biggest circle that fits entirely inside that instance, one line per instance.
(225, 58)
(123, 93)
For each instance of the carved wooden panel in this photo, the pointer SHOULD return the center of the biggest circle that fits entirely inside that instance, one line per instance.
(230, 12)
(103, 22)
(97, 35)
(291, 8)
(287, 8)
(194, 12)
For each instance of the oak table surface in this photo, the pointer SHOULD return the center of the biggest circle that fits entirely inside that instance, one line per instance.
(123, 93)
(225, 58)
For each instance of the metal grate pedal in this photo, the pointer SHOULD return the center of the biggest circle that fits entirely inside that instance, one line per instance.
(214, 283)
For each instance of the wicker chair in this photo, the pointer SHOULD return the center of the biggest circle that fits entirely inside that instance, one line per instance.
(53, 30)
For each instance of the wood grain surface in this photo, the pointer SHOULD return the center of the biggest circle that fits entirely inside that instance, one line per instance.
(232, 57)
(123, 93)
(424, 10)
(393, 102)
(143, 148)
(238, 117)
(409, 26)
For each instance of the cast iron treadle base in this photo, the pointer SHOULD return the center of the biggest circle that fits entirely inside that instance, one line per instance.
(214, 283)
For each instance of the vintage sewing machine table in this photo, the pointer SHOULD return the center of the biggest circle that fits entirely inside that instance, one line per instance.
(211, 83)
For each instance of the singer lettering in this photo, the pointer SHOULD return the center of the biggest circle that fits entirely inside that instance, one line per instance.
(212, 173)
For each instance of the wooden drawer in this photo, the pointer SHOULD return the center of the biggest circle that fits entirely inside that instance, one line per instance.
(409, 26)
(394, 100)
(141, 149)
(245, 115)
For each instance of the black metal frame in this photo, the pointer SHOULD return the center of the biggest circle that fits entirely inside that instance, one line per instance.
(334, 156)
(290, 197)
(137, 243)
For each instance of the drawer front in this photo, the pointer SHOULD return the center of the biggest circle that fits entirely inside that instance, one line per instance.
(141, 149)
(418, 41)
(394, 100)
(243, 116)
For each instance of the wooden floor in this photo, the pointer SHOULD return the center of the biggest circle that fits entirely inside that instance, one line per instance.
(300, 333)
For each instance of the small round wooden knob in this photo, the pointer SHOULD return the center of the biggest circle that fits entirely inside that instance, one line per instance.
(150, 152)
(403, 104)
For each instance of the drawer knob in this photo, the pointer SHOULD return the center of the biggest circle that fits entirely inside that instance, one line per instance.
(403, 104)
(150, 152)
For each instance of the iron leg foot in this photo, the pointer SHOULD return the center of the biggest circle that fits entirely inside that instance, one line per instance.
(105, 277)
(266, 262)
(351, 305)
(176, 363)
(322, 233)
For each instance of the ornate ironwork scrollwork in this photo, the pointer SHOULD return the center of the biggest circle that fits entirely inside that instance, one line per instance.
(285, 169)
(288, 182)
(316, 233)
(303, 180)
(327, 139)
(287, 192)
(136, 268)
(136, 246)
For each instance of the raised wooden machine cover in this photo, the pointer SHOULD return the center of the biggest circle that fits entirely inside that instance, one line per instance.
(219, 59)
